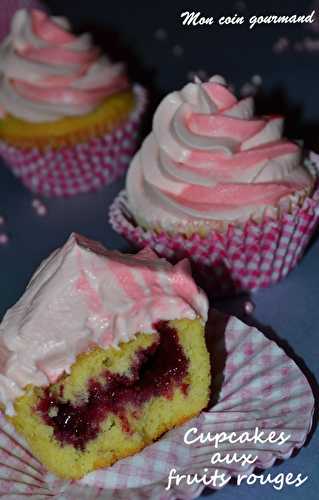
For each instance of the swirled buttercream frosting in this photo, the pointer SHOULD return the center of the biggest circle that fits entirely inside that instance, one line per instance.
(47, 73)
(210, 158)
(82, 296)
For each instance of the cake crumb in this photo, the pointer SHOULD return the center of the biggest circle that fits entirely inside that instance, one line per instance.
(53, 411)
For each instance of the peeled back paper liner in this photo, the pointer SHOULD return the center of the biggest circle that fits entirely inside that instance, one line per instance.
(85, 167)
(256, 255)
(254, 385)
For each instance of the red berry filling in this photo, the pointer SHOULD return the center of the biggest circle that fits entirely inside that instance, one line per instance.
(156, 372)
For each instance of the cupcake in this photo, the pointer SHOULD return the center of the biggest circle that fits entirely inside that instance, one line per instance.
(69, 116)
(219, 185)
(102, 354)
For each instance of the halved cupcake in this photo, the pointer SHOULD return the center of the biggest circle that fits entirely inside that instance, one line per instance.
(103, 353)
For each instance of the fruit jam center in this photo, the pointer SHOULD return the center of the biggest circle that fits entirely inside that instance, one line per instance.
(156, 372)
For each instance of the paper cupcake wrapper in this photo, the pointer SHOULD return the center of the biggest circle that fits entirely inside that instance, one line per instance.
(255, 384)
(240, 259)
(78, 169)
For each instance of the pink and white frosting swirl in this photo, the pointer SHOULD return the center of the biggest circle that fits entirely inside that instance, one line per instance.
(47, 73)
(209, 158)
(84, 295)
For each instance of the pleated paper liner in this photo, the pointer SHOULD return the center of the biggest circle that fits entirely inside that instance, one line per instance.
(85, 167)
(241, 259)
(255, 384)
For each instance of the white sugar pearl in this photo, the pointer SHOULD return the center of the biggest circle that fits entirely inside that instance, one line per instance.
(281, 45)
(218, 79)
(240, 5)
(160, 34)
(177, 50)
(249, 307)
(42, 210)
(257, 80)
(36, 203)
(247, 90)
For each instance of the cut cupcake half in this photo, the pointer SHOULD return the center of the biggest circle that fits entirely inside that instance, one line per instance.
(103, 354)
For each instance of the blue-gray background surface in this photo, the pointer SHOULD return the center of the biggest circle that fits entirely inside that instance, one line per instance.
(289, 311)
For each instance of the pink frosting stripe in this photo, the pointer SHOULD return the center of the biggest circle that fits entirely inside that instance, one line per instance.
(125, 279)
(59, 55)
(242, 159)
(181, 287)
(225, 195)
(220, 95)
(93, 300)
(57, 80)
(68, 95)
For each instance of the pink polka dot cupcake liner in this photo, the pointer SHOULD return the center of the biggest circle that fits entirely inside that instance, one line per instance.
(241, 259)
(257, 390)
(81, 168)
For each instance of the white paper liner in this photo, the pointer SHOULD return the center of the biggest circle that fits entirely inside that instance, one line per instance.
(255, 384)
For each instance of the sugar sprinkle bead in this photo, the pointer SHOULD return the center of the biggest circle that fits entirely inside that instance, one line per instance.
(4, 238)
(177, 50)
(308, 44)
(39, 207)
(249, 307)
(257, 80)
(281, 45)
(41, 210)
(36, 203)
(240, 5)
(247, 90)
(160, 34)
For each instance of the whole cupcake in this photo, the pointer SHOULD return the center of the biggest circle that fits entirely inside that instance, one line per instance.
(221, 186)
(69, 116)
